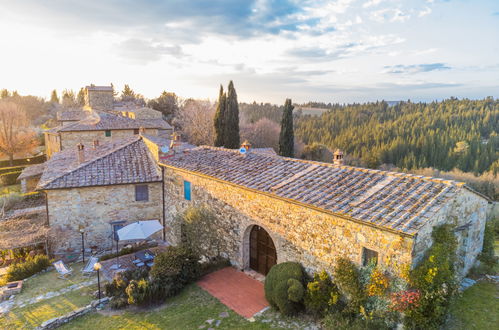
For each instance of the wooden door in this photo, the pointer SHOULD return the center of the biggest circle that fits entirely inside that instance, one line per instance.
(262, 250)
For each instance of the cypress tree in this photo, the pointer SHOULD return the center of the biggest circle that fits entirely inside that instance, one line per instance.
(232, 119)
(53, 97)
(286, 137)
(219, 120)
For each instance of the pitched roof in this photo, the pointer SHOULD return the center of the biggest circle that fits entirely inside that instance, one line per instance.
(116, 162)
(31, 171)
(100, 120)
(72, 115)
(265, 151)
(395, 201)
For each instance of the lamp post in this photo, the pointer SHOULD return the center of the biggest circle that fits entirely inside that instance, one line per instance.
(97, 267)
(82, 232)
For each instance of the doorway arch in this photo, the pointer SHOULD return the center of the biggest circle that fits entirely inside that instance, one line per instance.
(262, 251)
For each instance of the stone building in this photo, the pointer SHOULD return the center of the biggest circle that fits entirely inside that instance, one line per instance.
(271, 209)
(99, 189)
(99, 97)
(30, 176)
(267, 209)
(101, 126)
(103, 119)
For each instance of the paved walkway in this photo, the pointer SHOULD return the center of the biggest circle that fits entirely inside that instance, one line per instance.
(236, 290)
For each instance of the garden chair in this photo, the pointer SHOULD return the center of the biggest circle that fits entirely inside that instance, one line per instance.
(62, 269)
(89, 267)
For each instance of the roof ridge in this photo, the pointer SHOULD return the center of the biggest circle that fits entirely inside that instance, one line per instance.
(85, 164)
(355, 168)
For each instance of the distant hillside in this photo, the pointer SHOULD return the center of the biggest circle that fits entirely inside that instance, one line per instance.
(444, 135)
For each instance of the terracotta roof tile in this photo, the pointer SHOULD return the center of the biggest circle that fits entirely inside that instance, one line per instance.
(397, 201)
(117, 162)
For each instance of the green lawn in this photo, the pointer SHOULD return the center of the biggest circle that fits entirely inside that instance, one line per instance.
(189, 310)
(31, 316)
(476, 308)
(47, 282)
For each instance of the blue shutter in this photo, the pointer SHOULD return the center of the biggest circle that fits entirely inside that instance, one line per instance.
(187, 190)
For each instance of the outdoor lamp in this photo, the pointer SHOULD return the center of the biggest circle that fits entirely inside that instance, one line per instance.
(97, 267)
(81, 229)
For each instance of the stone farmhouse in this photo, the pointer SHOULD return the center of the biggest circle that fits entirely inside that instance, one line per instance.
(102, 119)
(267, 209)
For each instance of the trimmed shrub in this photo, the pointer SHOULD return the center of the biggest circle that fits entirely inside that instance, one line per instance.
(347, 277)
(175, 268)
(32, 265)
(322, 294)
(284, 287)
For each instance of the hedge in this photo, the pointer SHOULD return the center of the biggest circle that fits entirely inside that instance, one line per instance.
(12, 169)
(32, 265)
(24, 161)
(9, 178)
(284, 287)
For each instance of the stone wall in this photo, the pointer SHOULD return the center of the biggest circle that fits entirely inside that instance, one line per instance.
(52, 144)
(95, 208)
(467, 211)
(29, 184)
(72, 139)
(301, 234)
(99, 99)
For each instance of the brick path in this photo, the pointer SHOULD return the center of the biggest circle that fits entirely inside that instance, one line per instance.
(236, 290)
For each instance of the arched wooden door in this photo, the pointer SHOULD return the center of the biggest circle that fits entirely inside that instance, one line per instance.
(262, 250)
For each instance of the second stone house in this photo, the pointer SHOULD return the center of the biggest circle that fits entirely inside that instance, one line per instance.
(98, 189)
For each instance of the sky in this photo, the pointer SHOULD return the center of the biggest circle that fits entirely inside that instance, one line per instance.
(330, 51)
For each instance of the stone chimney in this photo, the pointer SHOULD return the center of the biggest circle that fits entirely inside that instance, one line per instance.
(175, 140)
(338, 157)
(95, 144)
(81, 153)
(246, 145)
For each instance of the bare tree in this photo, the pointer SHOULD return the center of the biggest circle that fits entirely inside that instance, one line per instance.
(195, 119)
(262, 134)
(16, 135)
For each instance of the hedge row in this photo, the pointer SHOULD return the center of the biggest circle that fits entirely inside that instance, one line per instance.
(9, 178)
(4, 170)
(24, 161)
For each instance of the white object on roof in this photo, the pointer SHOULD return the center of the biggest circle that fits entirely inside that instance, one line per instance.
(139, 230)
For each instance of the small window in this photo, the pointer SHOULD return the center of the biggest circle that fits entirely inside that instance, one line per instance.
(187, 190)
(136, 131)
(369, 256)
(108, 133)
(141, 193)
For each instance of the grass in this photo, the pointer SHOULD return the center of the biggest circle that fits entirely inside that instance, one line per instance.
(31, 316)
(46, 282)
(476, 308)
(5, 190)
(189, 310)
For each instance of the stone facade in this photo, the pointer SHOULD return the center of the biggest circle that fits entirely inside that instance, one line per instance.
(52, 143)
(143, 113)
(72, 139)
(95, 208)
(29, 184)
(99, 99)
(303, 234)
(468, 213)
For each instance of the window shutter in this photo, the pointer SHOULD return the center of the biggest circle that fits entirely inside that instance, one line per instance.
(187, 190)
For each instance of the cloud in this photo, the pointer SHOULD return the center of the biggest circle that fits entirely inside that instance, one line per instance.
(371, 3)
(145, 51)
(416, 68)
(389, 15)
(424, 12)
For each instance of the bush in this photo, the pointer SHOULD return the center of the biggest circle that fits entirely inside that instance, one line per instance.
(126, 250)
(117, 288)
(338, 321)
(347, 277)
(284, 287)
(12, 169)
(175, 268)
(9, 178)
(322, 294)
(137, 292)
(32, 265)
(434, 278)
(488, 254)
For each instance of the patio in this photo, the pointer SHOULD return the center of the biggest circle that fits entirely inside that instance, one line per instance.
(108, 269)
(241, 293)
